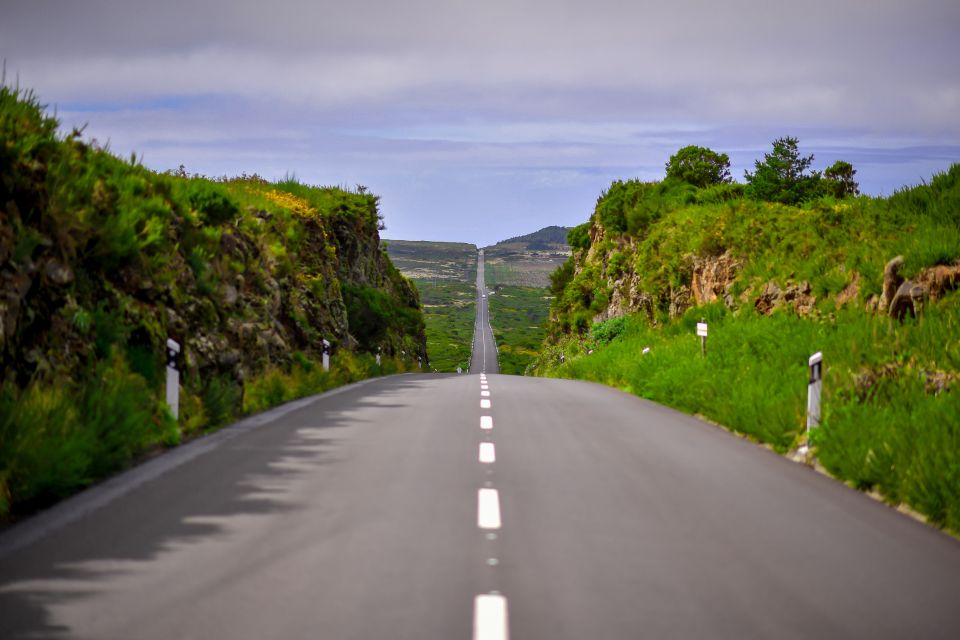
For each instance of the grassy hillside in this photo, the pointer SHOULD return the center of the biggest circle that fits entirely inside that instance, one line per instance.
(548, 238)
(527, 261)
(103, 260)
(777, 282)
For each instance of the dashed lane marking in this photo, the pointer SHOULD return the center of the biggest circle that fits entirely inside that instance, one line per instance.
(485, 394)
(487, 453)
(490, 617)
(486, 422)
(488, 509)
(485, 404)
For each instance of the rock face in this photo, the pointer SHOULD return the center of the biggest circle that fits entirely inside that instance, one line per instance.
(234, 307)
(908, 300)
(939, 280)
(627, 298)
(891, 281)
(902, 297)
(713, 278)
(850, 292)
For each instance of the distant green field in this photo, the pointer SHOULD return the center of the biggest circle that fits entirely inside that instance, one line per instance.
(449, 309)
(424, 260)
(518, 316)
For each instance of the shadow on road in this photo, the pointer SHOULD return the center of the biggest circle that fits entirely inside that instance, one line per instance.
(246, 475)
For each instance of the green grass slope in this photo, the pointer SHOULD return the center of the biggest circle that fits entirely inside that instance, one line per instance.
(102, 260)
(777, 283)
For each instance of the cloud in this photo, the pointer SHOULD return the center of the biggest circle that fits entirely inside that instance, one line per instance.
(502, 98)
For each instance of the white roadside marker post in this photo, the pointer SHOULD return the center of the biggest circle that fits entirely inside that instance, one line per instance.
(814, 389)
(173, 378)
(702, 332)
(378, 356)
(326, 355)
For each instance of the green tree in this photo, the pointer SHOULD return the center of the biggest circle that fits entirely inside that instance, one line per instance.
(782, 176)
(700, 166)
(838, 180)
(579, 237)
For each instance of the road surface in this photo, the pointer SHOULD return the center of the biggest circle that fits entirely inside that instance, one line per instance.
(484, 356)
(402, 508)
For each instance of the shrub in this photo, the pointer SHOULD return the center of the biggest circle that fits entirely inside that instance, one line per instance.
(604, 332)
(212, 203)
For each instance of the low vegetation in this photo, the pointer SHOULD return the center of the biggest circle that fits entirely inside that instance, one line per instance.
(449, 309)
(791, 263)
(518, 317)
(103, 260)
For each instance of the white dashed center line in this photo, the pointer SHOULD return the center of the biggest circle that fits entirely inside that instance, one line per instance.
(488, 509)
(487, 453)
(486, 422)
(485, 394)
(485, 404)
(490, 618)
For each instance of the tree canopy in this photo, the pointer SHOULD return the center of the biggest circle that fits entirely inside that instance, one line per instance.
(782, 175)
(838, 180)
(699, 166)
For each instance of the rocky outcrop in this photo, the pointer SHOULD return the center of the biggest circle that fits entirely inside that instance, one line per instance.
(851, 292)
(902, 297)
(626, 298)
(891, 281)
(680, 300)
(908, 300)
(940, 280)
(798, 297)
(713, 278)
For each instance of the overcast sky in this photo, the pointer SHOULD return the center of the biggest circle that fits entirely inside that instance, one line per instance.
(476, 121)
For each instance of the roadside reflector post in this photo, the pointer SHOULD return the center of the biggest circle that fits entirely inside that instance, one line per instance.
(173, 378)
(702, 332)
(326, 355)
(419, 362)
(814, 390)
(378, 356)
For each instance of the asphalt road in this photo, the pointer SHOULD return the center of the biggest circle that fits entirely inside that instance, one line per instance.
(484, 358)
(399, 508)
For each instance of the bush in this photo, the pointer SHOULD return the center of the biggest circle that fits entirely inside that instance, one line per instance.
(604, 332)
(371, 314)
(212, 202)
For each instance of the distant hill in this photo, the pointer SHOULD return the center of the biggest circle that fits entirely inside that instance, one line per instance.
(526, 260)
(546, 239)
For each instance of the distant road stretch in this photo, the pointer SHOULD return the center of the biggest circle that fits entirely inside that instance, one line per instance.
(484, 358)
